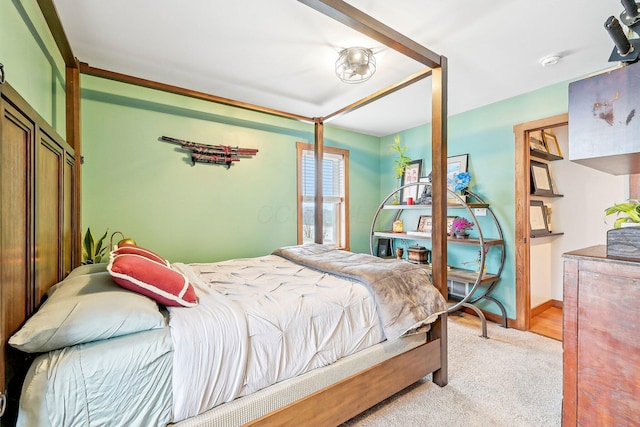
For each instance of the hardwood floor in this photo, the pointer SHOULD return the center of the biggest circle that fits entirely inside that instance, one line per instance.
(548, 323)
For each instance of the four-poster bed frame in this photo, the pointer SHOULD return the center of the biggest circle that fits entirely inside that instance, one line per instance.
(354, 394)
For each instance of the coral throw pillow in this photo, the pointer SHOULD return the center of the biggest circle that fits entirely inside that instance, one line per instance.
(139, 250)
(153, 279)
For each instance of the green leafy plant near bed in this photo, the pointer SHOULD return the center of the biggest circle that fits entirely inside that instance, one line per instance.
(93, 250)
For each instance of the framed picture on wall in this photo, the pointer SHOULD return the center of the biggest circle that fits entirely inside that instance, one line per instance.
(538, 218)
(540, 179)
(411, 175)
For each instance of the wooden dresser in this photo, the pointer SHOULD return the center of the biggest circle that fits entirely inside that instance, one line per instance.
(601, 338)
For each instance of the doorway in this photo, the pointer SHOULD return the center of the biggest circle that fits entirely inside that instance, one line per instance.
(546, 263)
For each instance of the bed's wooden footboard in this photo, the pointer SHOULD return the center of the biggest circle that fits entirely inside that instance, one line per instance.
(339, 402)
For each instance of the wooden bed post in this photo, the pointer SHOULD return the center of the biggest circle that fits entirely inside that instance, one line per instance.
(439, 331)
(73, 139)
(318, 150)
(439, 174)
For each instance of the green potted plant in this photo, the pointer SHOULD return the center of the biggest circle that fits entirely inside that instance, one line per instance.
(627, 214)
(401, 164)
(93, 250)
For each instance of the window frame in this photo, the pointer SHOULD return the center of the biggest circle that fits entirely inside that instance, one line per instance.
(343, 233)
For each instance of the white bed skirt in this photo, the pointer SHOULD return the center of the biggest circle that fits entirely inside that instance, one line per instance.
(253, 406)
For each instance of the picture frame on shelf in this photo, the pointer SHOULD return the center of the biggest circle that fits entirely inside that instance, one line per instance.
(424, 191)
(538, 219)
(540, 179)
(384, 247)
(551, 142)
(537, 142)
(425, 224)
(455, 165)
(411, 174)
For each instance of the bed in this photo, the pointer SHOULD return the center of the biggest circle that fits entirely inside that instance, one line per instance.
(309, 333)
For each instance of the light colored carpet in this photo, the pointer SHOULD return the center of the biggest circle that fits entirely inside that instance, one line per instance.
(512, 379)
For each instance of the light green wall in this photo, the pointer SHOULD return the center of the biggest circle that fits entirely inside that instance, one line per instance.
(32, 63)
(486, 135)
(135, 183)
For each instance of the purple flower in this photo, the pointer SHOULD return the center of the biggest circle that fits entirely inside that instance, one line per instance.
(460, 224)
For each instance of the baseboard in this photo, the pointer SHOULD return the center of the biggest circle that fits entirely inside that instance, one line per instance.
(535, 311)
(552, 303)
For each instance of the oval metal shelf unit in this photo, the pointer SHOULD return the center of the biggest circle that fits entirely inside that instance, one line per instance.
(481, 282)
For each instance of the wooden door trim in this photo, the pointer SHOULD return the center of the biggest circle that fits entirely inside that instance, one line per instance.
(522, 230)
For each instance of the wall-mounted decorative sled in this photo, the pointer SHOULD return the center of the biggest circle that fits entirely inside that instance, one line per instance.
(217, 154)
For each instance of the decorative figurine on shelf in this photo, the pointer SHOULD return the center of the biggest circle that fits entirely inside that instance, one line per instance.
(484, 270)
(397, 226)
(459, 227)
(478, 261)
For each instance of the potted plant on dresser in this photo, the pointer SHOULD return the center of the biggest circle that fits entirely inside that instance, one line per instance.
(624, 240)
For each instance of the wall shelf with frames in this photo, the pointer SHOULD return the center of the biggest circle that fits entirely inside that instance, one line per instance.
(478, 283)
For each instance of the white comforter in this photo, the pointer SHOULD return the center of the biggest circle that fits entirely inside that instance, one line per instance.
(260, 321)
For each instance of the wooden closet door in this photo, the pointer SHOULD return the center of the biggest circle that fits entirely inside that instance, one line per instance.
(68, 216)
(16, 298)
(50, 163)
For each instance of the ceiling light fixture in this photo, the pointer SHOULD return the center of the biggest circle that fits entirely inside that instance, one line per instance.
(355, 65)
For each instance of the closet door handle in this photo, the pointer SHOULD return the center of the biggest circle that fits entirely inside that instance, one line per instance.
(1, 82)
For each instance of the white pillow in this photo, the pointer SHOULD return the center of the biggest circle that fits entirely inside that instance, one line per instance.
(85, 308)
(87, 269)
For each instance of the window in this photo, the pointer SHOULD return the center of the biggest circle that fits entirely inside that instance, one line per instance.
(335, 178)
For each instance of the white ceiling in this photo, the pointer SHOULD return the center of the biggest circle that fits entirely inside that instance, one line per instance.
(281, 53)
